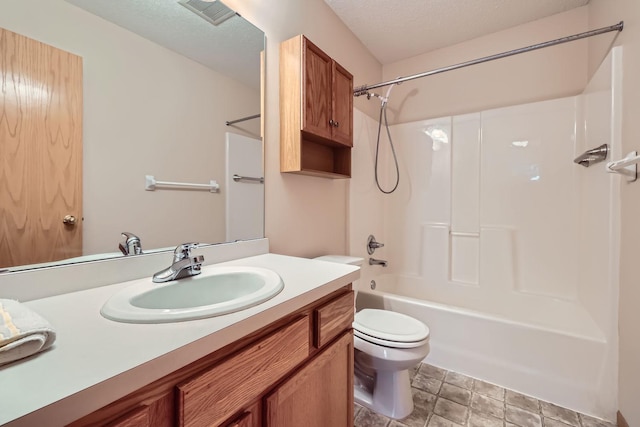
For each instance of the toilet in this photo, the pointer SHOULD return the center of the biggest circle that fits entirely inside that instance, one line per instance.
(387, 344)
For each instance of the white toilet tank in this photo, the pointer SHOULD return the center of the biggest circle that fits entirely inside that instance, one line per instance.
(342, 259)
(345, 259)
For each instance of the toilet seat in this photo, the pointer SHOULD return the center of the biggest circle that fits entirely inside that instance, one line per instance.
(390, 329)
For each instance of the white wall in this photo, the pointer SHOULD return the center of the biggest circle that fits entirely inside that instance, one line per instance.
(147, 110)
(602, 13)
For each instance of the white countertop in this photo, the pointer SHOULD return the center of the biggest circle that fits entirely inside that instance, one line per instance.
(95, 361)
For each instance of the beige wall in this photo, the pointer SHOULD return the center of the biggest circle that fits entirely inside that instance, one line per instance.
(147, 110)
(604, 13)
(305, 216)
(308, 216)
(543, 74)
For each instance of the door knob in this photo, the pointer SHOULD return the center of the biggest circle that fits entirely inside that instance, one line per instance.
(69, 220)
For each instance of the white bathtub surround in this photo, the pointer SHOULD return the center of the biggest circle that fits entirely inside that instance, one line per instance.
(506, 248)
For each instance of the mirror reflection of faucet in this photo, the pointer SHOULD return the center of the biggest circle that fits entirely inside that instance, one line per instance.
(131, 245)
(373, 261)
(184, 264)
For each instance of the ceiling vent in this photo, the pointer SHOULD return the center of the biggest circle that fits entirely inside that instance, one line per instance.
(213, 11)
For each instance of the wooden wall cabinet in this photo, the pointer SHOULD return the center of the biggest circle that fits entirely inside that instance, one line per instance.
(297, 371)
(316, 111)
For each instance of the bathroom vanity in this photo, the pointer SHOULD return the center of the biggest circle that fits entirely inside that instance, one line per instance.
(285, 362)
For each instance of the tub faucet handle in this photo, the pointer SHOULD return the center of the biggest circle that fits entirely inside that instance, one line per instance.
(372, 244)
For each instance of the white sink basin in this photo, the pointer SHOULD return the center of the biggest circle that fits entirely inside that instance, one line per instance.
(216, 291)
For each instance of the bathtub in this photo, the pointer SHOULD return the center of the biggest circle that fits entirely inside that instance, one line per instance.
(526, 349)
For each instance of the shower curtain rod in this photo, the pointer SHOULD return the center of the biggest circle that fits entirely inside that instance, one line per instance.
(244, 119)
(363, 90)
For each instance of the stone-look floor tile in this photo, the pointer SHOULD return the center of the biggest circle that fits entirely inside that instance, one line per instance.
(561, 414)
(477, 419)
(356, 409)
(395, 423)
(368, 418)
(522, 418)
(523, 402)
(487, 406)
(459, 380)
(490, 390)
(550, 422)
(588, 421)
(438, 421)
(423, 404)
(413, 371)
(432, 371)
(451, 410)
(426, 383)
(455, 393)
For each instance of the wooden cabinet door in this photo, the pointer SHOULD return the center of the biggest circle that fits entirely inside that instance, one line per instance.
(213, 396)
(316, 96)
(342, 105)
(40, 152)
(318, 395)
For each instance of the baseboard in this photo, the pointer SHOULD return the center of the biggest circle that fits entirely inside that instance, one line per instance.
(621, 421)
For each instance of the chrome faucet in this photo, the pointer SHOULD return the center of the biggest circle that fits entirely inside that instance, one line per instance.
(131, 245)
(373, 261)
(184, 264)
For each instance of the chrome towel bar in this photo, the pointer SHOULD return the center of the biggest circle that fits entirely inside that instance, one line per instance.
(238, 178)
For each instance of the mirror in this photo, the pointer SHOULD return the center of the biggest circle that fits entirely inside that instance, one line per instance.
(158, 82)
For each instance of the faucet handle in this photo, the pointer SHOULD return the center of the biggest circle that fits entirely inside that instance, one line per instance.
(372, 244)
(183, 251)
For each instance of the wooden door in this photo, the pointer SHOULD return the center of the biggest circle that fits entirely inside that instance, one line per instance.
(342, 105)
(40, 151)
(316, 98)
(318, 395)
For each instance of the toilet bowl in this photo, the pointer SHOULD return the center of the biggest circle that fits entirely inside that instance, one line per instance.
(387, 344)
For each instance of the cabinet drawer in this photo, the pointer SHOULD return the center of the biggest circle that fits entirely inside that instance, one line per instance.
(332, 319)
(212, 397)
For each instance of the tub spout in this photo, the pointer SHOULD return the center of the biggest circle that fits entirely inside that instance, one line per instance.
(373, 261)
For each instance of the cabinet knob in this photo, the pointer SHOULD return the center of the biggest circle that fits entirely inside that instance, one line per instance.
(332, 123)
(336, 124)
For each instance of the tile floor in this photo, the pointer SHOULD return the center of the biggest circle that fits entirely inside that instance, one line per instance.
(448, 399)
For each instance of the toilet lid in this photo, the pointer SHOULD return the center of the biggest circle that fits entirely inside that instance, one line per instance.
(390, 326)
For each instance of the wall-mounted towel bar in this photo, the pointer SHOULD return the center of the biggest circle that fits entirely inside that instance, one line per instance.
(151, 183)
(627, 166)
(238, 178)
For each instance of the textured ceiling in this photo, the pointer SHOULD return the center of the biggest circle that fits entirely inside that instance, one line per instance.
(398, 29)
(232, 48)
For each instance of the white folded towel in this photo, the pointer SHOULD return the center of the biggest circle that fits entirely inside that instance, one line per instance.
(22, 332)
